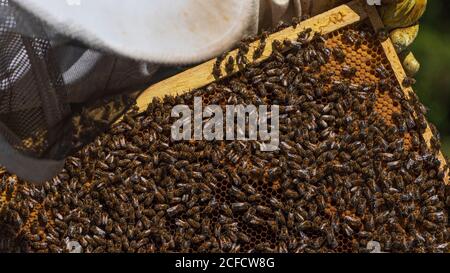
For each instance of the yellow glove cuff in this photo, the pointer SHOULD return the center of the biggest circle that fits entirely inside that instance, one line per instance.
(402, 13)
(410, 63)
(402, 38)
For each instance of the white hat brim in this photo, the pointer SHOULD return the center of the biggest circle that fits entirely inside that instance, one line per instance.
(160, 31)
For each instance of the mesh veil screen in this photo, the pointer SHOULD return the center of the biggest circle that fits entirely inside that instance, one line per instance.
(43, 110)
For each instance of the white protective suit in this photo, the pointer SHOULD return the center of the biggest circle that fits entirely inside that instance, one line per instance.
(163, 31)
(154, 32)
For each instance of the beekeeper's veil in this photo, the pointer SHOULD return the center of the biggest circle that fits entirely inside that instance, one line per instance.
(67, 66)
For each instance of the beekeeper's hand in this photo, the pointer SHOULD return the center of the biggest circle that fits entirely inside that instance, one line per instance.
(400, 18)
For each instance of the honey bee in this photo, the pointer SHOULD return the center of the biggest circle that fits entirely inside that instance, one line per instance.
(349, 72)
(229, 66)
(259, 50)
(249, 188)
(339, 54)
(264, 210)
(331, 238)
(172, 211)
(217, 71)
(226, 209)
(239, 207)
(352, 37)
(243, 237)
(408, 82)
(254, 220)
(382, 35)
(295, 21)
(238, 194)
(241, 59)
(257, 197)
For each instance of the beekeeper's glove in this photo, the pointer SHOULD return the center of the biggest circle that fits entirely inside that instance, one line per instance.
(400, 18)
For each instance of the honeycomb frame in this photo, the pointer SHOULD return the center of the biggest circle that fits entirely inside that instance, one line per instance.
(366, 59)
(335, 19)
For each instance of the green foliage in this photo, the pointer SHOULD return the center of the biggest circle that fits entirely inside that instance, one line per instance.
(432, 49)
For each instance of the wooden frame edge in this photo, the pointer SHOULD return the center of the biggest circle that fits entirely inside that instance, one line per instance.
(400, 74)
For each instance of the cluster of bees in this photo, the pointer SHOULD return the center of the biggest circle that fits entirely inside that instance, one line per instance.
(350, 169)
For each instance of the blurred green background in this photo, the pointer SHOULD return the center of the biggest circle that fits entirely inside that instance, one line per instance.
(432, 49)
